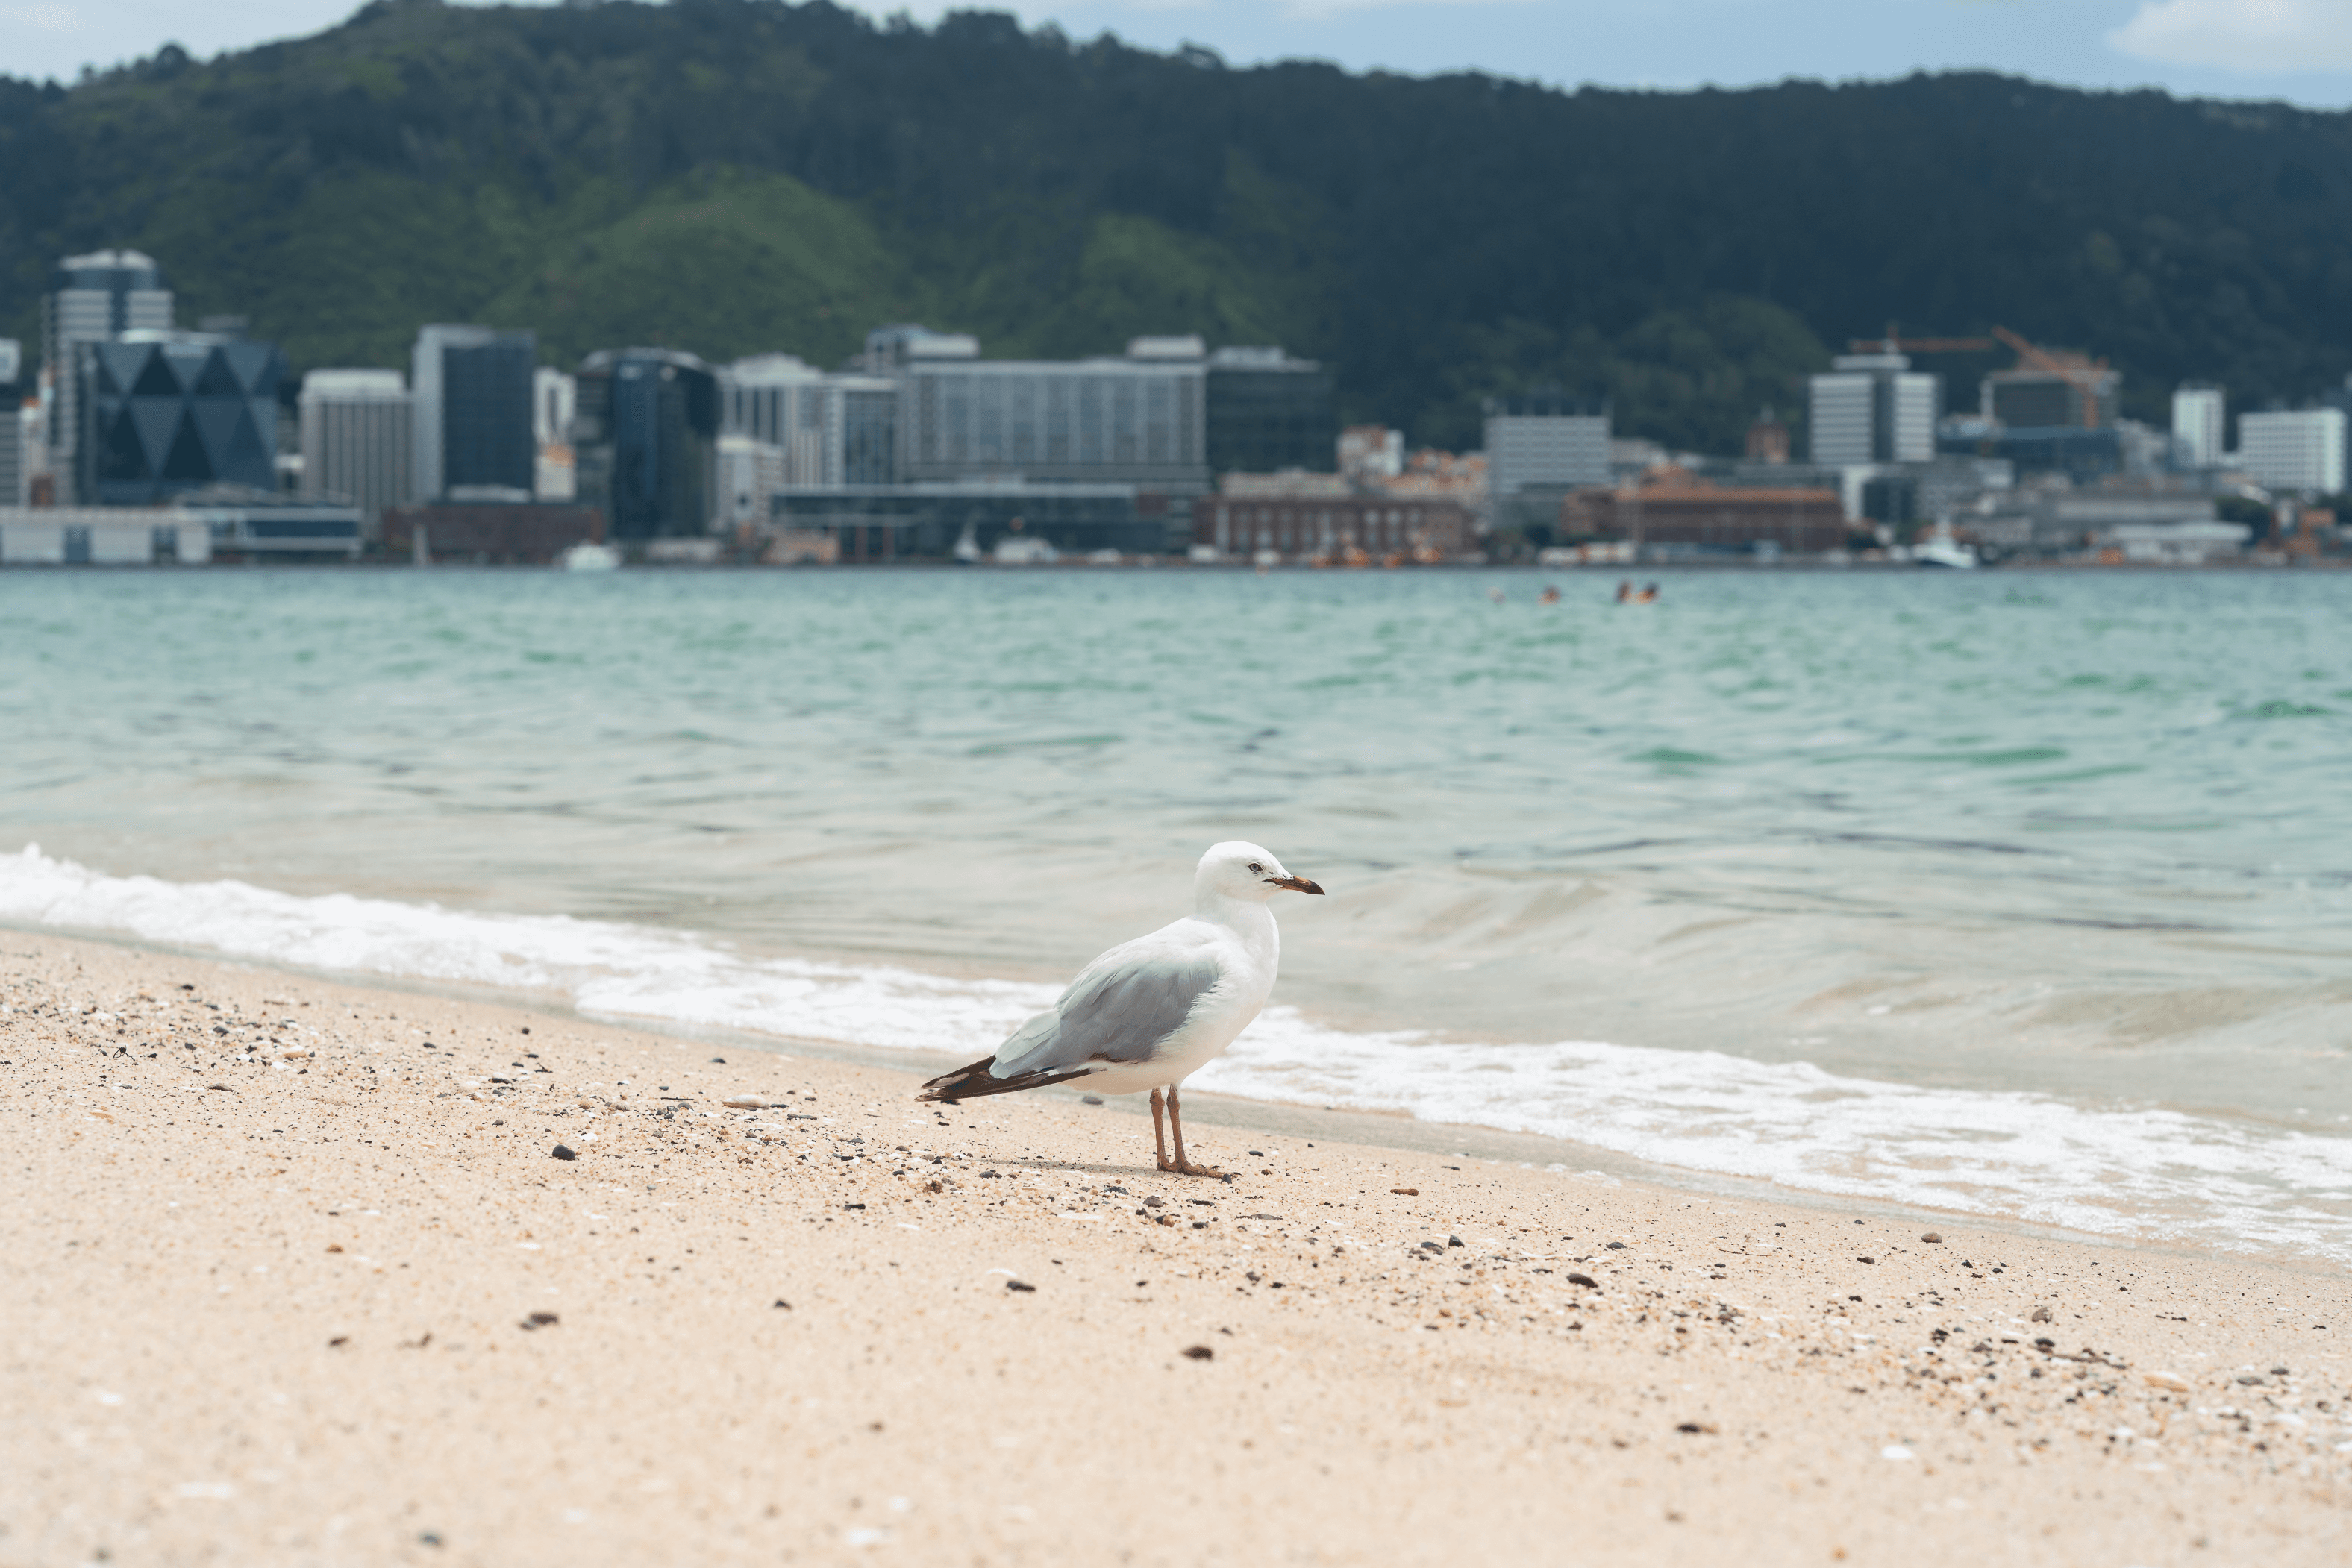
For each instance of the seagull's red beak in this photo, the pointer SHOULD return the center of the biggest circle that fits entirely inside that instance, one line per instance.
(1297, 884)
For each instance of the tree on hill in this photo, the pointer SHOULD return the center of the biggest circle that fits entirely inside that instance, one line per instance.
(730, 176)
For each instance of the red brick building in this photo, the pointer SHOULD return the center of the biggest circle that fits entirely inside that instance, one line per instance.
(1302, 528)
(1673, 508)
(495, 534)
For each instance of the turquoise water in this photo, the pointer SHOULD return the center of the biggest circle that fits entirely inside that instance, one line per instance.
(2075, 837)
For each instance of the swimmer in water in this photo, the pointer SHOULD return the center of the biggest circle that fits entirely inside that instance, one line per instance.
(1625, 592)
(1495, 594)
(1550, 595)
(1649, 595)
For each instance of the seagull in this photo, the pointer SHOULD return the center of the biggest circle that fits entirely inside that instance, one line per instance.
(1150, 1013)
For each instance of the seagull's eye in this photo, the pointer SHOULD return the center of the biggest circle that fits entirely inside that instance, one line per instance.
(1255, 866)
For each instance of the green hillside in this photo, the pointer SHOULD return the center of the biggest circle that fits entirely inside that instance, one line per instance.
(732, 176)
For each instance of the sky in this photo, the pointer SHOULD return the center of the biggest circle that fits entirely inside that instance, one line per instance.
(2296, 51)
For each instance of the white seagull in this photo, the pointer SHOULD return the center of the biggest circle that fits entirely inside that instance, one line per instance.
(1150, 1013)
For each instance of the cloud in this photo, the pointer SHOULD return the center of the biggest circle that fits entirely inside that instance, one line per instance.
(2262, 35)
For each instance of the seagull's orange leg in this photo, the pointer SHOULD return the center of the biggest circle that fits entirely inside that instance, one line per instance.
(1176, 1123)
(1160, 1143)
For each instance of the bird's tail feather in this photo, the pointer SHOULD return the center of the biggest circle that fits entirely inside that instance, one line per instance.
(973, 1081)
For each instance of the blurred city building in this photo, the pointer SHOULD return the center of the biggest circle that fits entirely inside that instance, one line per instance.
(1348, 528)
(474, 418)
(497, 533)
(359, 440)
(1872, 408)
(646, 438)
(1671, 511)
(2299, 451)
(163, 412)
(1540, 450)
(12, 423)
(1140, 419)
(1768, 439)
(102, 536)
(93, 298)
(2198, 427)
(1268, 412)
(554, 397)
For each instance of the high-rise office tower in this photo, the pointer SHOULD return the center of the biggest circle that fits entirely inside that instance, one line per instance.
(93, 298)
(2196, 415)
(472, 390)
(1872, 408)
(359, 439)
(12, 423)
(648, 442)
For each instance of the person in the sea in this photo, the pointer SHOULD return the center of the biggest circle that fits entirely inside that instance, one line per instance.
(1625, 592)
(1550, 594)
(1649, 594)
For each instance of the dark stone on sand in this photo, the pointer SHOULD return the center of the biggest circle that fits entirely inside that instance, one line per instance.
(563, 1154)
(1585, 1280)
(853, 1206)
(1198, 1352)
(542, 1320)
(1155, 1201)
(1616, 1247)
(784, 1303)
(1931, 1236)
(1090, 1099)
(1454, 1241)
(1861, 1260)
(1020, 1285)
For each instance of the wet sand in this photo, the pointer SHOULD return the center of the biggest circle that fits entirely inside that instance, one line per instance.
(347, 1306)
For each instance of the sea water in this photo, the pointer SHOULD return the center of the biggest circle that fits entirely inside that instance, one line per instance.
(2022, 894)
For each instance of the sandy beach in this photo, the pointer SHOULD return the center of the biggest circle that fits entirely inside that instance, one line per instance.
(294, 1274)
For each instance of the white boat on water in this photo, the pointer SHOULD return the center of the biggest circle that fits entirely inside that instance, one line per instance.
(1940, 549)
(586, 557)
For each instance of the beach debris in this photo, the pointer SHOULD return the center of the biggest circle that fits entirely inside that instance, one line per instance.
(2171, 1380)
(750, 1103)
(1613, 1247)
(538, 1321)
(1454, 1241)
(427, 1538)
(2041, 1315)
(1198, 1352)
(853, 1206)
(1859, 1259)
(1931, 1236)
(1090, 1099)
(1895, 1451)
(1431, 1246)
(340, 1340)
(1021, 1285)
(1585, 1280)
(563, 1152)
(1695, 1428)
(334, 1247)
(784, 1303)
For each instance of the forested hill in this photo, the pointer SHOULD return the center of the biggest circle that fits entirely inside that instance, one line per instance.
(729, 176)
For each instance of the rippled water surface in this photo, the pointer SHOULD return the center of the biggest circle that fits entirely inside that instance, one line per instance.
(2075, 841)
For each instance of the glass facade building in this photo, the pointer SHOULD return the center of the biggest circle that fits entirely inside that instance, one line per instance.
(646, 437)
(1267, 411)
(473, 390)
(166, 413)
(1132, 421)
(93, 298)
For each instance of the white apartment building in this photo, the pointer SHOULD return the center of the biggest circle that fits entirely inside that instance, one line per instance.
(1872, 408)
(2197, 430)
(2299, 451)
(359, 439)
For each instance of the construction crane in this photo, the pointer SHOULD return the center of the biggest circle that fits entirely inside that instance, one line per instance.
(2082, 373)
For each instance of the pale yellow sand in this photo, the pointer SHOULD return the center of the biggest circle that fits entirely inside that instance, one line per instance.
(276, 1314)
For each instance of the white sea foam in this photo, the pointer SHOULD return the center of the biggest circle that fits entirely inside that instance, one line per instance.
(2121, 1171)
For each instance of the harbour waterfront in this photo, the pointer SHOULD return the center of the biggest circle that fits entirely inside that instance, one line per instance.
(2020, 894)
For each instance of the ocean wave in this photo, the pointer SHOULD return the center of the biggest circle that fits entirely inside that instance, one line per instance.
(2135, 1172)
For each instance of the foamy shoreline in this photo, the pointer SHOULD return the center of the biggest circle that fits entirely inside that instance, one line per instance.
(2136, 1173)
(284, 1319)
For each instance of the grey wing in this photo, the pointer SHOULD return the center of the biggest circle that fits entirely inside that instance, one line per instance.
(1119, 1011)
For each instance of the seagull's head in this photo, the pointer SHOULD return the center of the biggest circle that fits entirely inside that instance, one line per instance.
(1239, 870)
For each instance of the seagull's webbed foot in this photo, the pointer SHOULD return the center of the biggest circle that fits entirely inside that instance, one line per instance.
(1186, 1167)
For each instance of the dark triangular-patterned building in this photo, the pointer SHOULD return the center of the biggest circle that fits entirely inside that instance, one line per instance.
(166, 413)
